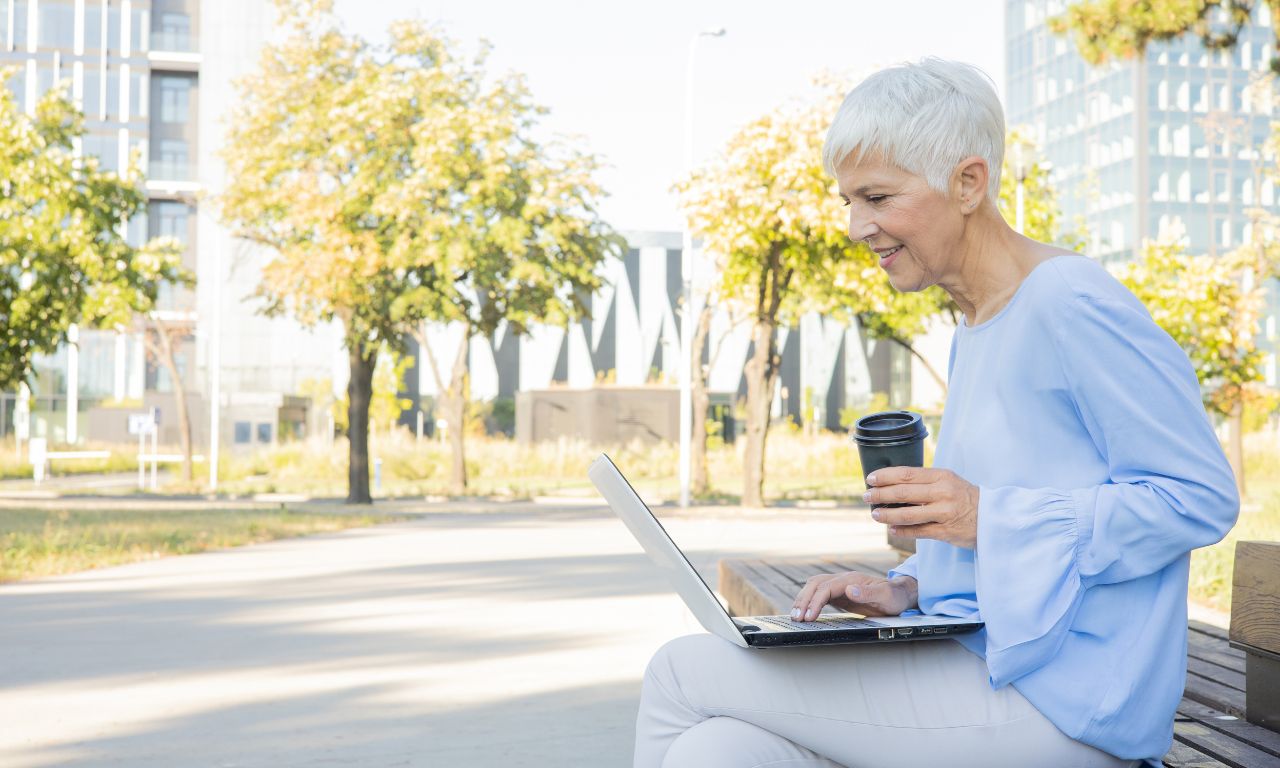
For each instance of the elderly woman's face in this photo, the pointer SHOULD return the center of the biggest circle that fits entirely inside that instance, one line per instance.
(910, 226)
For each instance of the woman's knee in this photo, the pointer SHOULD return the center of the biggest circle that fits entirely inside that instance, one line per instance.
(725, 742)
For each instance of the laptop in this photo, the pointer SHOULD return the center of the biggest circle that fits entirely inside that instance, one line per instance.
(755, 631)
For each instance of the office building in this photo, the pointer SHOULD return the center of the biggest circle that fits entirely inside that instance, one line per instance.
(1165, 144)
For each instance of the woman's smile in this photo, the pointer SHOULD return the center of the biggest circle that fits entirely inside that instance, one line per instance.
(887, 256)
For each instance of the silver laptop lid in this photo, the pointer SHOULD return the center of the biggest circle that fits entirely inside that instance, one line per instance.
(626, 504)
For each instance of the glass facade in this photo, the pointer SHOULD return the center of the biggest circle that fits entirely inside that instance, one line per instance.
(101, 56)
(1145, 147)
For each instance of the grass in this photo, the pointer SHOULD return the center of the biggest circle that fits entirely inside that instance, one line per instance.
(35, 542)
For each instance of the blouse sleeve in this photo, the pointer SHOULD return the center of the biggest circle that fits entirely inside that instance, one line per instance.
(905, 568)
(1169, 489)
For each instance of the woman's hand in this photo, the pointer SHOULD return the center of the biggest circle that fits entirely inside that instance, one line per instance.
(948, 504)
(856, 593)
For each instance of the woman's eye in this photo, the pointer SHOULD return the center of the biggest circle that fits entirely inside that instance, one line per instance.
(877, 199)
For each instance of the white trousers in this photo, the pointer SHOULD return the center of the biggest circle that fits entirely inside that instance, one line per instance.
(707, 703)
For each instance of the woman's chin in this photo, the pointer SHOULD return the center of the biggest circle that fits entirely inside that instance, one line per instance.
(904, 283)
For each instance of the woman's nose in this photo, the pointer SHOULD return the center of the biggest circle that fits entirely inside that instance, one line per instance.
(860, 227)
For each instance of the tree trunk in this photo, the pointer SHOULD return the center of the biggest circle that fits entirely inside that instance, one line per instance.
(937, 377)
(701, 398)
(762, 375)
(455, 410)
(162, 348)
(359, 393)
(1235, 444)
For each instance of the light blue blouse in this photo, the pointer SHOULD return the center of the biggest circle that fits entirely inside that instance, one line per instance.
(1081, 422)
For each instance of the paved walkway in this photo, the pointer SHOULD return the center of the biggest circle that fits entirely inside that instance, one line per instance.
(500, 636)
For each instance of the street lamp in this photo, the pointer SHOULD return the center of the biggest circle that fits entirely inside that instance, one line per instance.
(686, 273)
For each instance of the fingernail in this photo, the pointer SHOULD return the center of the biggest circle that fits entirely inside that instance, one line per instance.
(866, 496)
(871, 479)
(795, 614)
(810, 615)
(875, 514)
(855, 592)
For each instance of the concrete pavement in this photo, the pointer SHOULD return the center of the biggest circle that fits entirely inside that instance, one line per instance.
(490, 635)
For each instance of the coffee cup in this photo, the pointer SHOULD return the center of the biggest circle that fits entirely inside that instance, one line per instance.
(890, 439)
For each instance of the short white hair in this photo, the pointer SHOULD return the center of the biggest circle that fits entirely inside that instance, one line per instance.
(924, 118)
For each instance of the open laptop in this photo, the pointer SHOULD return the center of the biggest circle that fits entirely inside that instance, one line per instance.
(754, 631)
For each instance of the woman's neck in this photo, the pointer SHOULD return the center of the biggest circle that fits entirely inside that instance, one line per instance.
(991, 262)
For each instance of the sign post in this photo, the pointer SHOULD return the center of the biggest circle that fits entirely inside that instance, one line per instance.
(142, 425)
(39, 460)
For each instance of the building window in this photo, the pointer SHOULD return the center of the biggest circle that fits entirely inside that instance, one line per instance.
(1184, 187)
(171, 32)
(138, 31)
(104, 147)
(92, 26)
(113, 94)
(137, 95)
(92, 94)
(264, 432)
(175, 98)
(57, 25)
(170, 219)
(171, 162)
(113, 28)
(244, 432)
(19, 25)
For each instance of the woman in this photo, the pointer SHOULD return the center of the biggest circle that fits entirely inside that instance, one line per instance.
(1075, 471)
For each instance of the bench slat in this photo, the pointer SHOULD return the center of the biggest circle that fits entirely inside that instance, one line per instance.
(1207, 629)
(1231, 751)
(1228, 677)
(1215, 651)
(1255, 735)
(1182, 756)
(748, 592)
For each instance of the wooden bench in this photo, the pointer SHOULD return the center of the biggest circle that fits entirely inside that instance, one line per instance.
(1209, 731)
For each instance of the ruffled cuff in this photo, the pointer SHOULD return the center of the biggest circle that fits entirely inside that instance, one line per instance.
(1028, 578)
(905, 568)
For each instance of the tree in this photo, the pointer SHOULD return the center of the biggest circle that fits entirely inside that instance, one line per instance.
(1122, 29)
(769, 208)
(63, 258)
(1210, 306)
(514, 224)
(327, 129)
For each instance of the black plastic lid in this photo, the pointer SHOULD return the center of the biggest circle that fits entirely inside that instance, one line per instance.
(889, 428)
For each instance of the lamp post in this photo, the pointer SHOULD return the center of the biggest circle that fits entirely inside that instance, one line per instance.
(686, 274)
(215, 373)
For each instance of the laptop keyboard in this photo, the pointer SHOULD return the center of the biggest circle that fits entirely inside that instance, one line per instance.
(822, 622)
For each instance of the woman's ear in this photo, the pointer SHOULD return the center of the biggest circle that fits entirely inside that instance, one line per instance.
(970, 180)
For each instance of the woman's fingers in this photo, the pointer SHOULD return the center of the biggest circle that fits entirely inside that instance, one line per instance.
(904, 516)
(823, 590)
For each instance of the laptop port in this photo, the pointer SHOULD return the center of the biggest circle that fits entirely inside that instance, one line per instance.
(905, 632)
(939, 630)
(886, 634)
